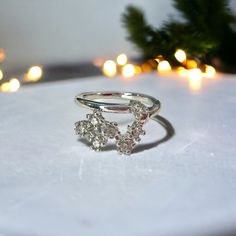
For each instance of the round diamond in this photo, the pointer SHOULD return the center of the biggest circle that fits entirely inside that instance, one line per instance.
(94, 120)
(125, 144)
(96, 143)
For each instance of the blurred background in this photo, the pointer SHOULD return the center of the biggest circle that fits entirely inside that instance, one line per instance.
(64, 32)
(67, 38)
(51, 184)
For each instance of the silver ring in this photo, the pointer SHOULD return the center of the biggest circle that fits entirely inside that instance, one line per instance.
(97, 130)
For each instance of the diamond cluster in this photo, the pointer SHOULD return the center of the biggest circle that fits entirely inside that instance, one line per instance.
(97, 130)
(126, 142)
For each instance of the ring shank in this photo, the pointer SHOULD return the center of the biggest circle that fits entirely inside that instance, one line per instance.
(89, 100)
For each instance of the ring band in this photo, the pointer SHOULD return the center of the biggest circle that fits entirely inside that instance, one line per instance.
(87, 99)
(97, 130)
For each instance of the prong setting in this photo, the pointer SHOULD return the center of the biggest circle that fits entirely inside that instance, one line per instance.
(97, 130)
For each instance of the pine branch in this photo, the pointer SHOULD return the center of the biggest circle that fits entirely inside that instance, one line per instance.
(208, 31)
(139, 32)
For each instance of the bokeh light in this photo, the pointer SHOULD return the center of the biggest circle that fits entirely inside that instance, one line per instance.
(195, 79)
(34, 74)
(128, 71)
(2, 54)
(109, 68)
(1, 74)
(195, 73)
(146, 67)
(5, 87)
(138, 70)
(122, 59)
(180, 55)
(191, 64)
(163, 66)
(182, 71)
(14, 85)
(210, 71)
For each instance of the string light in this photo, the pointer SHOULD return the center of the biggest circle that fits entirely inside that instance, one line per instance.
(182, 71)
(34, 74)
(14, 85)
(1, 74)
(122, 59)
(109, 68)
(191, 64)
(138, 70)
(2, 54)
(180, 55)
(5, 87)
(146, 67)
(210, 71)
(195, 73)
(128, 71)
(11, 86)
(163, 66)
(195, 79)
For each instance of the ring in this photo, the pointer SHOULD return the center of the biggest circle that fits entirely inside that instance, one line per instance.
(97, 130)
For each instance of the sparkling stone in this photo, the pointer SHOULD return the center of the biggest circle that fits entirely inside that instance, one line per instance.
(99, 142)
(125, 144)
(139, 110)
(82, 127)
(111, 129)
(96, 143)
(94, 120)
(97, 130)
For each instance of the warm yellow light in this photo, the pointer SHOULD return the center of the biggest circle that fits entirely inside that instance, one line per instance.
(121, 59)
(190, 64)
(138, 70)
(195, 79)
(210, 71)
(2, 54)
(5, 87)
(1, 75)
(128, 71)
(180, 55)
(109, 68)
(182, 71)
(14, 85)
(163, 66)
(195, 73)
(34, 73)
(146, 67)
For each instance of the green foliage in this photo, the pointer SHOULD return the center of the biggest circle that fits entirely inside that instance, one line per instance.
(207, 31)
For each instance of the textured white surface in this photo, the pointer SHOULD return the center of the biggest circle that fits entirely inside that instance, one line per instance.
(51, 184)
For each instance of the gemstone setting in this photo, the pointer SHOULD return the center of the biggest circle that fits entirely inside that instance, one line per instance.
(97, 130)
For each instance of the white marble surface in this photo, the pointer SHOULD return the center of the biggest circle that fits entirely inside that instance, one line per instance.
(52, 185)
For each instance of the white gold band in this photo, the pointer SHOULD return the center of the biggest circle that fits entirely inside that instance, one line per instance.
(89, 100)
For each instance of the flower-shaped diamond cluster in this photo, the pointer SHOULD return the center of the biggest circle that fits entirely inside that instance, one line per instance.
(139, 110)
(125, 143)
(96, 130)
